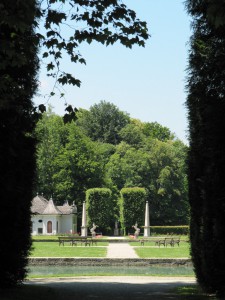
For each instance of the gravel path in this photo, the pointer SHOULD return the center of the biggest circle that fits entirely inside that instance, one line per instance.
(120, 250)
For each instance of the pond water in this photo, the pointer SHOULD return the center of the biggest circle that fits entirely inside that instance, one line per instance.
(39, 271)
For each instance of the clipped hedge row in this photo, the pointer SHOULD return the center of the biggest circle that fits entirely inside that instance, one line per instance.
(132, 207)
(100, 208)
(164, 230)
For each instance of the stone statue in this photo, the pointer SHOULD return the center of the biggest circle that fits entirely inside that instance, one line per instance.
(137, 230)
(116, 229)
(92, 230)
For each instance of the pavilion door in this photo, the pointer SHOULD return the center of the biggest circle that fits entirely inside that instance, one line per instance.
(49, 227)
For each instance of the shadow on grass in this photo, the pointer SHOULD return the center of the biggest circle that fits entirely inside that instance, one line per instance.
(77, 289)
(193, 291)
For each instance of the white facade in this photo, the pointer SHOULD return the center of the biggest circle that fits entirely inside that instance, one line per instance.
(48, 219)
(50, 224)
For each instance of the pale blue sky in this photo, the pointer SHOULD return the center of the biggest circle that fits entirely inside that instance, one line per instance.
(147, 83)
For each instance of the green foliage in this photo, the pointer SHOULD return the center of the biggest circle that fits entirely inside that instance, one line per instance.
(105, 22)
(206, 107)
(156, 131)
(132, 207)
(69, 163)
(52, 135)
(132, 135)
(100, 209)
(180, 230)
(159, 167)
(103, 122)
(18, 69)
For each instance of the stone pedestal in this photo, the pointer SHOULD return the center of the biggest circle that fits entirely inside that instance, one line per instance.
(116, 232)
(84, 231)
(146, 231)
(116, 229)
(84, 228)
(147, 221)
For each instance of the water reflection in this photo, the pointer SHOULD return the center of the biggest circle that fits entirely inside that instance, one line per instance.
(109, 270)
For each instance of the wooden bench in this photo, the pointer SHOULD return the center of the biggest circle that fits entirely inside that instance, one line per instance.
(165, 242)
(162, 241)
(75, 240)
(143, 241)
(63, 239)
(176, 241)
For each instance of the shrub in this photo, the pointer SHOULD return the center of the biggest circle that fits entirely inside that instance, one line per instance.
(100, 208)
(181, 230)
(132, 207)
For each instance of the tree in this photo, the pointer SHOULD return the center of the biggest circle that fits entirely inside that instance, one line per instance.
(206, 108)
(159, 167)
(156, 131)
(52, 135)
(79, 166)
(167, 182)
(106, 22)
(103, 122)
(18, 69)
(132, 135)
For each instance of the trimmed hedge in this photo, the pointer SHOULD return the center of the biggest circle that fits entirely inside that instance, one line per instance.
(100, 209)
(132, 207)
(182, 230)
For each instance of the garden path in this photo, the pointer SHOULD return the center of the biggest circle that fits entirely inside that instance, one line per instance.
(120, 250)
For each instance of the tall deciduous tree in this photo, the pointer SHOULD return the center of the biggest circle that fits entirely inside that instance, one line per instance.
(103, 122)
(52, 135)
(206, 108)
(156, 131)
(159, 167)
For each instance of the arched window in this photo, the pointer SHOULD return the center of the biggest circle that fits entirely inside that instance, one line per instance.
(49, 227)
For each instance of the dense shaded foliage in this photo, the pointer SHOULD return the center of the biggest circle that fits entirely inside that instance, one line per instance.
(18, 68)
(107, 22)
(206, 108)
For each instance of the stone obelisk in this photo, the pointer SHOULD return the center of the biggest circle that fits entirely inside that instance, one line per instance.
(147, 220)
(84, 221)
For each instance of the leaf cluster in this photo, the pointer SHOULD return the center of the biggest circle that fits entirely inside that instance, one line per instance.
(67, 24)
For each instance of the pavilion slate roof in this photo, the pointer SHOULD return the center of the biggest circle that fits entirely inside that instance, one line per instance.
(42, 206)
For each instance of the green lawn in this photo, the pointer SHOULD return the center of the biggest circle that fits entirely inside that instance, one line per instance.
(149, 250)
(52, 249)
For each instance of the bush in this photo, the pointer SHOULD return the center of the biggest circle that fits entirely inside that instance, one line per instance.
(100, 208)
(132, 207)
(158, 230)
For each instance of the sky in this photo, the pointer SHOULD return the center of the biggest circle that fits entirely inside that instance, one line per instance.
(148, 83)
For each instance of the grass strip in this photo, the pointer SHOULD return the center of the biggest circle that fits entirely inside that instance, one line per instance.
(49, 249)
(151, 251)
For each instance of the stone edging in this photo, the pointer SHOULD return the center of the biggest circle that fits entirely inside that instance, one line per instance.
(71, 261)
